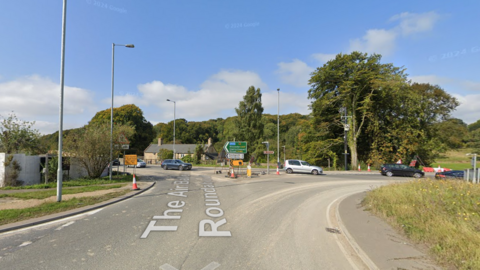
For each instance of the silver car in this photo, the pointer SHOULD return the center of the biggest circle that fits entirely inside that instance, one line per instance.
(300, 166)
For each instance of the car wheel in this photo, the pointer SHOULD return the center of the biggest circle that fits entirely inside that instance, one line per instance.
(180, 168)
(166, 167)
(417, 175)
(289, 171)
(389, 174)
(315, 172)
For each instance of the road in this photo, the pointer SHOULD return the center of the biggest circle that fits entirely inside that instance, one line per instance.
(198, 220)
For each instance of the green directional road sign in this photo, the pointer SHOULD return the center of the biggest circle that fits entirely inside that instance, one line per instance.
(236, 147)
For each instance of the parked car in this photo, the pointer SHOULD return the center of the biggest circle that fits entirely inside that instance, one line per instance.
(140, 164)
(400, 170)
(300, 166)
(449, 175)
(116, 162)
(176, 164)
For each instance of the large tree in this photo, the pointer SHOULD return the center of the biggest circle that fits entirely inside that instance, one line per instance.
(17, 136)
(91, 145)
(350, 81)
(130, 115)
(249, 123)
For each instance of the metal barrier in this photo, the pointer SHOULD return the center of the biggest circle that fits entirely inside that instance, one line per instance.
(471, 176)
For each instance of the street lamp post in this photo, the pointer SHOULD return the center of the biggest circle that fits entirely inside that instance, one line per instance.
(278, 130)
(60, 128)
(268, 156)
(345, 131)
(110, 166)
(174, 109)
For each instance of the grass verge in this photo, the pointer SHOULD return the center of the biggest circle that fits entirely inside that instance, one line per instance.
(52, 192)
(79, 182)
(443, 215)
(14, 215)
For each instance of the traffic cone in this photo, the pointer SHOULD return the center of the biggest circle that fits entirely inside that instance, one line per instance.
(134, 187)
(233, 174)
(368, 167)
(359, 169)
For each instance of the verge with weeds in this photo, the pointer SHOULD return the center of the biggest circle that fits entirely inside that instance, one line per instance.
(14, 215)
(443, 215)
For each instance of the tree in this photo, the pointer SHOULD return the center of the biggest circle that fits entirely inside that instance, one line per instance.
(452, 132)
(91, 145)
(351, 81)
(164, 154)
(199, 152)
(18, 136)
(132, 116)
(249, 122)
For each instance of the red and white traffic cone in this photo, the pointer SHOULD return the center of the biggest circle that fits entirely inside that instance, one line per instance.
(359, 169)
(134, 187)
(233, 174)
(368, 167)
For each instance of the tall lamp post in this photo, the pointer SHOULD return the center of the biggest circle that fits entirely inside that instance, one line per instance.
(278, 130)
(60, 128)
(110, 166)
(174, 109)
(346, 127)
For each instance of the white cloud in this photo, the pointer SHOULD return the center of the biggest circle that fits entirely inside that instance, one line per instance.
(413, 23)
(323, 57)
(471, 86)
(34, 95)
(218, 96)
(296, 73)
(468, 111)
(379, 41)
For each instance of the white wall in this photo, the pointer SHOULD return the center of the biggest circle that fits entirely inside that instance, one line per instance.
(30, 169)
(2, 170)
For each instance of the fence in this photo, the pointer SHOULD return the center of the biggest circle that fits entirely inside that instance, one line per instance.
(471, 176)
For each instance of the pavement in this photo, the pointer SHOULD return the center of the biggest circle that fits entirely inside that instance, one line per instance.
(370, 241)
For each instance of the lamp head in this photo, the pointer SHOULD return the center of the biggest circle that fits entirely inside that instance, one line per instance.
(130, 46)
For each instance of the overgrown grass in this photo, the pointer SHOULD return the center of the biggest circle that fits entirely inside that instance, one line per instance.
(444, 215)
(79, 182)
(14, 215)
(52, 192)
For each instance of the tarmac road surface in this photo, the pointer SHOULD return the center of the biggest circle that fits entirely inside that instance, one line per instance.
(199, 220)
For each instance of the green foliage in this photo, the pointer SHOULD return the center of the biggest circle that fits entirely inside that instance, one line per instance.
(18, 136)
(198, 153)
(474, 126)
(91, 145)
(12, 171)
(249, 122)
(164, 154)
(452, 132)
(188, 159)
(129, 115)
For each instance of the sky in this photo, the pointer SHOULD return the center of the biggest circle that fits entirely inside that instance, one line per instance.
(205, 54)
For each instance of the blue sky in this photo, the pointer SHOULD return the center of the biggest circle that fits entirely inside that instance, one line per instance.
(205, 54)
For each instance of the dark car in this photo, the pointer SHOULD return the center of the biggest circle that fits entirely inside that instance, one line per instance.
(449, 175)
(116, 162)
(400, 170)
(176, 164)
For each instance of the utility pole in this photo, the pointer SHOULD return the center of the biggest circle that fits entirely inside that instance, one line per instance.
(345, 133)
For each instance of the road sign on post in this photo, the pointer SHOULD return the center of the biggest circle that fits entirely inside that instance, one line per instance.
(235, 156)
(236, 147)
(268, 152)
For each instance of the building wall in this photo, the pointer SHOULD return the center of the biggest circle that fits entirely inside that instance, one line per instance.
(30, 169)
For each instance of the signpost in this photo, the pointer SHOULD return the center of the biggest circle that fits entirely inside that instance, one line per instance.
(268, 152)
(235, 156)
(130, 160)
(236, 147)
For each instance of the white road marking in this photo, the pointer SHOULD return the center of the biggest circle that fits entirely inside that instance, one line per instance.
(24, 244)
(167, 267)
(53, 222)
(64, 225)
(211, 266)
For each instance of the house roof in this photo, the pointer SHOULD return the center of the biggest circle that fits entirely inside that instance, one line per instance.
(179, 148)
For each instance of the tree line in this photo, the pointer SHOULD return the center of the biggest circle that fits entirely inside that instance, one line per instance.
(387, 116)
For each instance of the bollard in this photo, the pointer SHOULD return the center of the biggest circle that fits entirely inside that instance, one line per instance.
(249, 171)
